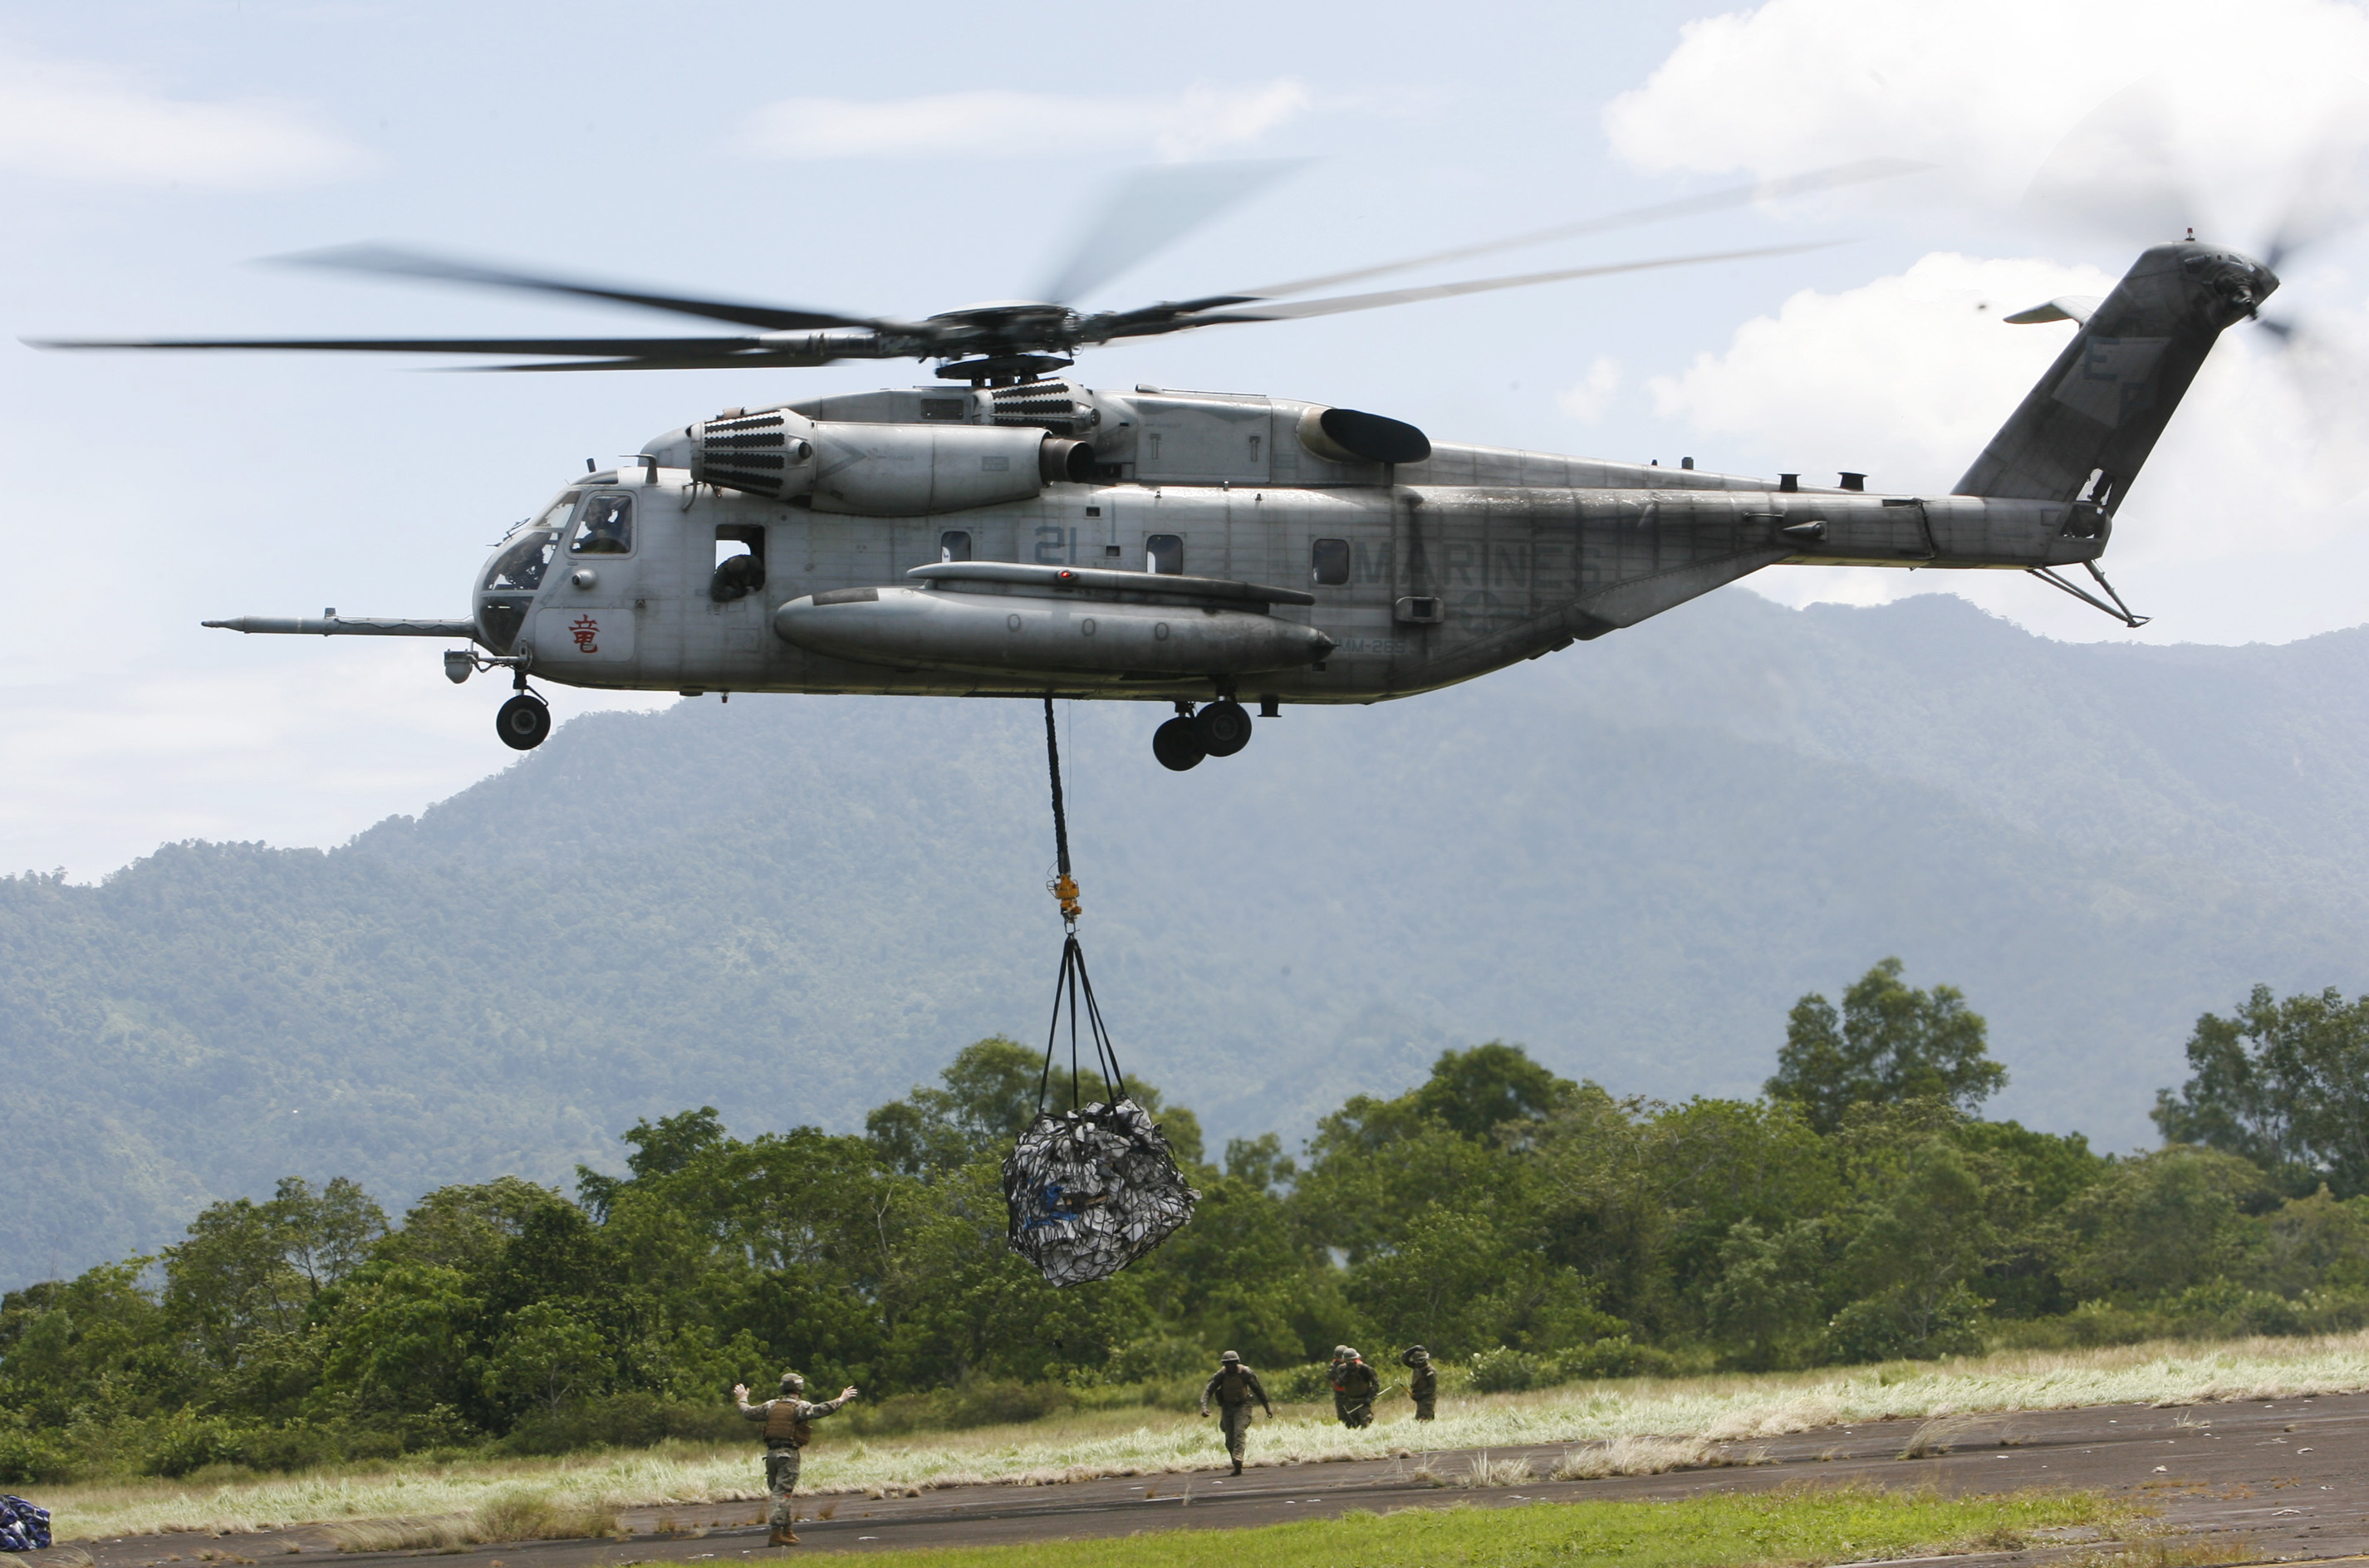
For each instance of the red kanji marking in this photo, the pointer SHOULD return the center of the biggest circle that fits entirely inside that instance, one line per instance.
(584, 629)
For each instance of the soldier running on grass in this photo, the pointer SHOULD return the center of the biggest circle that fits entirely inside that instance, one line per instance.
(1234, 1386)
(789, 1426)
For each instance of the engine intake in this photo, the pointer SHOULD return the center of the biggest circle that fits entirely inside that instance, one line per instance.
(873, 470)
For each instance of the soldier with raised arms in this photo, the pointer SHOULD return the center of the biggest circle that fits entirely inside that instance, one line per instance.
(789, 1427)
(1235, 1387)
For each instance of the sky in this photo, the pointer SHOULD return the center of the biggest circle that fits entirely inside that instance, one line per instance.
(152, 157)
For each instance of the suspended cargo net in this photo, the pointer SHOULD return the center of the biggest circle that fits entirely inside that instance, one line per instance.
(1093, 1188)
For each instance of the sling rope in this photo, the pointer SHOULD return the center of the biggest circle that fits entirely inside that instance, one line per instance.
(1074, 990)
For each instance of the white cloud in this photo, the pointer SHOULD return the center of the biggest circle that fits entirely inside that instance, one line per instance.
(69, 121)
(1588, 401)
(1906, 378)
(1988, 88)
(1000, 124)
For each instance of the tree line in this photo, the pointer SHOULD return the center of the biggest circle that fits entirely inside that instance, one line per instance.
(1528, 1229)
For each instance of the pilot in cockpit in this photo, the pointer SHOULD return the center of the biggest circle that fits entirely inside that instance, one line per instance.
(607, 527)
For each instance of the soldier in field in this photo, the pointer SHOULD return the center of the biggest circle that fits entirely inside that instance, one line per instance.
(1354, 1386)
(1423, 1381)
(1235, 1387)
(789, 1427)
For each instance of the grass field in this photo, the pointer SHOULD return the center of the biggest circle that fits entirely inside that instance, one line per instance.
(1607, 1421)
(1793, 1525)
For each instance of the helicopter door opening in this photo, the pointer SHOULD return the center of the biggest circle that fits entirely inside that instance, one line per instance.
(954, 544)
(739, 561)
(1164, 554)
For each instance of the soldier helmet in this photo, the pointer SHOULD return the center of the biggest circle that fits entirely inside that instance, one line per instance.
(1341, 1353)
(1349, 1354)
(1417, 1353)
(1230, 1356)
(793, 1384)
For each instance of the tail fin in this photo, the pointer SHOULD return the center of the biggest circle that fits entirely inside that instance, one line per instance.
(2082, 433)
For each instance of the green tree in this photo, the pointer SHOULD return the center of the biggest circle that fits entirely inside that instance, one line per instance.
(2281, 1083)
(550, 1355)
(1490, 1088)
(2156, 1225)
(1889, 1043)
(1764, 1303)
(1922, 1236)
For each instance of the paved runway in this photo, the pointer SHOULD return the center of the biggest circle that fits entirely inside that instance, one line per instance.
(2285, 1481)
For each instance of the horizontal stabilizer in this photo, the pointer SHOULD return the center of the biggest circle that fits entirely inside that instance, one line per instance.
(2065, 308)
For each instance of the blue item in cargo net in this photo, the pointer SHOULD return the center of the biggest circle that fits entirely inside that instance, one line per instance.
(23, 1528)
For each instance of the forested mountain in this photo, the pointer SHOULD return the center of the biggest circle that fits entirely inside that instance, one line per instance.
(1633, 856)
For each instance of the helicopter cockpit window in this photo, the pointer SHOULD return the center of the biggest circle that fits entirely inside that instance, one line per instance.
(606, 528)
(1164, 553)
(1328, 561)
(520, 565)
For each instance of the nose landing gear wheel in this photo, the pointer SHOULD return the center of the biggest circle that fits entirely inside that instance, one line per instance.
(1222, 727)
(1177, 745)
(523, 722)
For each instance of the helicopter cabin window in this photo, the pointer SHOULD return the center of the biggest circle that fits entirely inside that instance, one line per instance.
(606, 528)
(954, 544)
(1328, 561)
(520, 567)
(739, 561)
(1164, 553)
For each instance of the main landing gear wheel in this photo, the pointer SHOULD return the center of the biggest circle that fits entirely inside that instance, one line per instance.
(1177, 746)
(523, 722)
(1222, 727)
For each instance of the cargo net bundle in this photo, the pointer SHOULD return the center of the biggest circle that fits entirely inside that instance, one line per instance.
(1093, 1188)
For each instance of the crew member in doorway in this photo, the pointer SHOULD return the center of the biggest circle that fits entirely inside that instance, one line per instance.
(1355, 1384)
(1234, 1386)
(789, 1427)
(1423, 1381)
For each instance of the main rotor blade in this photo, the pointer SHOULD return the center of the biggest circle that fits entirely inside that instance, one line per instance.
(1296, 309)
(636, 346)
(393, 262)
(2119, 173)
(1151, 209)
(1661, 212)
(764, 359)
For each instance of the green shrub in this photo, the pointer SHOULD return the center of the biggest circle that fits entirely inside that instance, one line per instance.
(634, 1419)
(1308, 1383)
(29, 1459)
(1508, 1371)
(1615, 1357)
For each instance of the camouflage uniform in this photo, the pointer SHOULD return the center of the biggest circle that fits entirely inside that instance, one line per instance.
(1234, 1386)
(1355, 1384)
(788, 1429)
(1423, 1381)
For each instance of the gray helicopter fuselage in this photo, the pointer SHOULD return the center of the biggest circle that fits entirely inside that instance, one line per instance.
(1415, 575)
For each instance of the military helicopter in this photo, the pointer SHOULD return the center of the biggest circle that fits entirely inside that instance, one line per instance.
(1012, 532)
